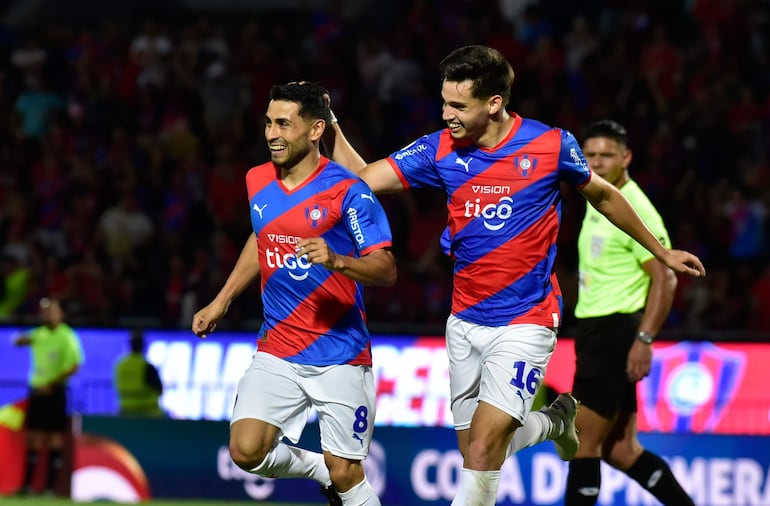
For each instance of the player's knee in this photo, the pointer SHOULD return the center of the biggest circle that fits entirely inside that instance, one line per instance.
(485, 453)
(623, 453)
(247, 456)
(345, 473)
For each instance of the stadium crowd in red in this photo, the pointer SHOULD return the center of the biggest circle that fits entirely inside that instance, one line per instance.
(124, 142)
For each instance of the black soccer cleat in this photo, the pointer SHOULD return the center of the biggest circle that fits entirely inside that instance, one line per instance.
(331, 495)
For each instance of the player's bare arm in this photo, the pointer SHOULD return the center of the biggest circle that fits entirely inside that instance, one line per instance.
(609, 201)
(659, 300)
(246, 270)
(376, 268)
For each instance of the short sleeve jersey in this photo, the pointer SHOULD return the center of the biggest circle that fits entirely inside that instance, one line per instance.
(611, 276)
(54, 352)
(504, 212)
(312, 315)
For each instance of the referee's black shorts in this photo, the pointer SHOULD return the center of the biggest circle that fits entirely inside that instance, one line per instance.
(48, 411)
(601, 353)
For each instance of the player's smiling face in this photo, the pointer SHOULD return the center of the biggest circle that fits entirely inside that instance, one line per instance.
(288, 135)
(608, 158)
(465, 115)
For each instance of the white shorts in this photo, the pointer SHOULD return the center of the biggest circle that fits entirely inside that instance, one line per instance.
(281, 393)
(502, 366)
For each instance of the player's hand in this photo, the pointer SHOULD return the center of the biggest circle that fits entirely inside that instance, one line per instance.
(684, 262)
(205, 321)
(639, 361)
(317, 251)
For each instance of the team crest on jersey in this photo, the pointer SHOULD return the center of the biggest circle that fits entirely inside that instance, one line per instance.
(315, 215)
(524, 165)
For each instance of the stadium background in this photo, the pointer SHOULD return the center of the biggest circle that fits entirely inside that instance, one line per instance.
(126, 128)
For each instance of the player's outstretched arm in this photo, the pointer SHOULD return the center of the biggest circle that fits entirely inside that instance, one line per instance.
(609, 201)
(376, 268)
(246, 270)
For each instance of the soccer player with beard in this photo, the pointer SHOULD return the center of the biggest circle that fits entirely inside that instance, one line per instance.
(319, 235)
(502, 176)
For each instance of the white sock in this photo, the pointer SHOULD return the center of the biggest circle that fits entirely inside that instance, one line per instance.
(538, 428)
(477, 488)
(360, 495)
(286, 461)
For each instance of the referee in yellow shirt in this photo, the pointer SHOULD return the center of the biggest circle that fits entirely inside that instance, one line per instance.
(624, 297)
(56, 355)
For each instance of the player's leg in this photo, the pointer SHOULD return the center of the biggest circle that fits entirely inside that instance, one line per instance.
(34, 445)
(58, 426)
(505, 365)
(526, 355)
(554, 422)
(601, 385)
(40, 416)
(584, 477)
(623, 451)
(464, 378)
(465, 366)
(346, 422)
(488, 440)
(270, 405)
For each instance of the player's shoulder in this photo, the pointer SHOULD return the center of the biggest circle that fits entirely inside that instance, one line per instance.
(262, 172)
(334, 175)
(425, 143)
(536, 124)
(337, 173)
(262, 168)
(334, 169)
(536, 128)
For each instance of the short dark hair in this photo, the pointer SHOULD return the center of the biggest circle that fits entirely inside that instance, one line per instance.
(607, 128)
(309, 96)
(485, 67)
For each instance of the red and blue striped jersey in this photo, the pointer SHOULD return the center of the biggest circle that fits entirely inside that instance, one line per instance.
(312, 315)
(504, 211)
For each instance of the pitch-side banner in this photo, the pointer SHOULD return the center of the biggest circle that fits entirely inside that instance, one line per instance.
(132, 459)
(693, 387)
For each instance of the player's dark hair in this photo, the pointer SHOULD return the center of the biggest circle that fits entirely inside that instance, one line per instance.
(607, 128)
(309, 96)
(485, 67)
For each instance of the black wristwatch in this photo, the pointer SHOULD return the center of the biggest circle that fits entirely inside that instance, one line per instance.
(645, 337)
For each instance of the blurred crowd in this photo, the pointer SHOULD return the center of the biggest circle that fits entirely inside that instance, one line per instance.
(124, 142)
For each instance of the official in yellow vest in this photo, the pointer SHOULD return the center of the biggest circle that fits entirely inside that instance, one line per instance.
(56, 354)
(137, 381)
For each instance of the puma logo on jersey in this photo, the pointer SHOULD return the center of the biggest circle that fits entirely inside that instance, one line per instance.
(359, 438)
(463, 163)
(368, 196)
(259, 209)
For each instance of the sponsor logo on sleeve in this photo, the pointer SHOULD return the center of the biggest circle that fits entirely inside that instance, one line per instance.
(355, 226)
